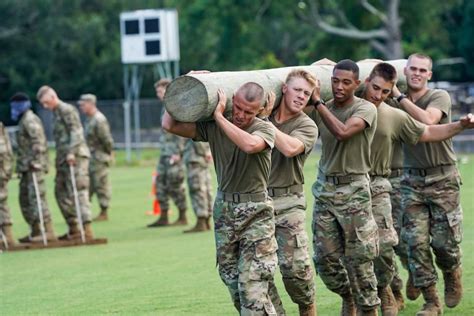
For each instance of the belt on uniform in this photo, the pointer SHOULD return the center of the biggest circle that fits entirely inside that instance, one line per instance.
(431, 171)
(295, 188)
(396, 173)
(345, 179)
(242, 197)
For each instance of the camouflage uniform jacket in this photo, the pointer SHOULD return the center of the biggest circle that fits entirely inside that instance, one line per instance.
(32, 145)
(6, 154)
(196, 152)
(98, 137)
(68, 133)
(171, 144)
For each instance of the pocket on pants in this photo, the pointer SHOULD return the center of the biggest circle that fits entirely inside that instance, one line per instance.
(455, 224)
(265, 260)
(301, 262)
(366, 247)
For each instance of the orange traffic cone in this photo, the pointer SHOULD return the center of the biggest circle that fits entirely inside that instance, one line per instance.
(156, 204)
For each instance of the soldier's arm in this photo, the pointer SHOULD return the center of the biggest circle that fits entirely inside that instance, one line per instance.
(430, 116)
(169, 124)
(288, 145)
(35, 130)
(73, 123)
(437, 133)
(342, 131)
(105, 136)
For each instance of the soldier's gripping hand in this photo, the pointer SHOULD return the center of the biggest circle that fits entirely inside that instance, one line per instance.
(467, 121)
(220, 108)
(269, 104)
(71, 159)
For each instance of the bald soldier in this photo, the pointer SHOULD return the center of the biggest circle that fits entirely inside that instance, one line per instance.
(71, 150)
(430, 193)
(32, 165)
(345, 237)
(244, 220)
(6, 159)
(296, 135)
(100, 142)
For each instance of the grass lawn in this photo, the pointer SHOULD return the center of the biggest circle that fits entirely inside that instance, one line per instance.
(156, 271)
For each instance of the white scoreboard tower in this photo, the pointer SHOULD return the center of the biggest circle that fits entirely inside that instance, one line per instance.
(147, 37)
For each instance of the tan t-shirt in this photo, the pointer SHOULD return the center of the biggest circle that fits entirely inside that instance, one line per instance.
(353, 155)
(393, 125)
(289, 171)
(236, 170)
(427, 155)
(397, 157)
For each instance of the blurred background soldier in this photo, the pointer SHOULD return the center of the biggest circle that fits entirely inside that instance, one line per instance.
(71, 150)
(197, 156)
(32, 159)
(6, 157)
(170, 171)
(100, 142)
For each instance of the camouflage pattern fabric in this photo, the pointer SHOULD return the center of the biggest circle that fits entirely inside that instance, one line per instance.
(432, 217)
(6, 158)
(28, 198)
(384, 264)
(345, 239)
(64, 191)
(100, 142)
(293, 251)
(170, 183)
(246, 253)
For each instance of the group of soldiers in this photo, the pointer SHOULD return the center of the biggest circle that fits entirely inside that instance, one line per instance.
(387, 184)
(175, 153)
(82, 162)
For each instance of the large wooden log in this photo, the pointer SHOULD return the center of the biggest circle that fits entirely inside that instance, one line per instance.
(192, 98)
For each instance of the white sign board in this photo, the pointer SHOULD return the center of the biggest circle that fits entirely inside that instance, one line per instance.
(149, 36)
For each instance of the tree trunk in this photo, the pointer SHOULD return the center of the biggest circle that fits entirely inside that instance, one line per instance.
(193, 98)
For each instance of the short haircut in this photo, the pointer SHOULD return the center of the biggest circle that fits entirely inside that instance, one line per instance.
(42, 91)
(19, 96)
(162, 83)
(384, 70)
(301, 73)
(421, 56)
(252, 91)
(349, 65)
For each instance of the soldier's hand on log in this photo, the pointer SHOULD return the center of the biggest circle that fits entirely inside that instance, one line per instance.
(395, 91)
(71, 159)
(467, 121)
(316, 95)
(220, 108)
(269, 104)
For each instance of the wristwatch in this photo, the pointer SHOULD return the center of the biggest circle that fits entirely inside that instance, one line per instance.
(317, 103)
(401, 97)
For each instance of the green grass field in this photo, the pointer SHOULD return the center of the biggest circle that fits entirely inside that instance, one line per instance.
(155, 271)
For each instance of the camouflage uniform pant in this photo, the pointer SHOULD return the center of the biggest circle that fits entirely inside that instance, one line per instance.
(246, 253)
(170, 183)
(200, 189)
(397, 215)
(345, 239)
(64, 191)
(99, 183)
(5, 218)
(384, 264)
(433, 217)
(293, 251)
(28, 198)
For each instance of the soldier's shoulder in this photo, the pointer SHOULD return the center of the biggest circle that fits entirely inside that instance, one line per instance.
(100, 117)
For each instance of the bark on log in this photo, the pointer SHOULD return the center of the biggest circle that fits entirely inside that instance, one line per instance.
(192, 98)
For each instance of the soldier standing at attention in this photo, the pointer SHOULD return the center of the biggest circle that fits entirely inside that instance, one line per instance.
(170, 171)
(71, 150)
(32, 158)
(100, 142)
(197, 156)
(244, 225)
(296, 135)
(6, 158)
(430, 194)
(345, 232)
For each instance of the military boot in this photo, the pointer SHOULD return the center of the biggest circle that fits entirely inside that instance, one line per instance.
(103, 216)
(412, 292)
(432, 307)
(307, 310)
(8, 234)
(49, 231)
(182, 220)
(348, 305)
(200, 226)
(399, 298)
(162, 221)
(88, 233)
(388, 303)
(452, 287)
(72, 233)
(35, 232)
